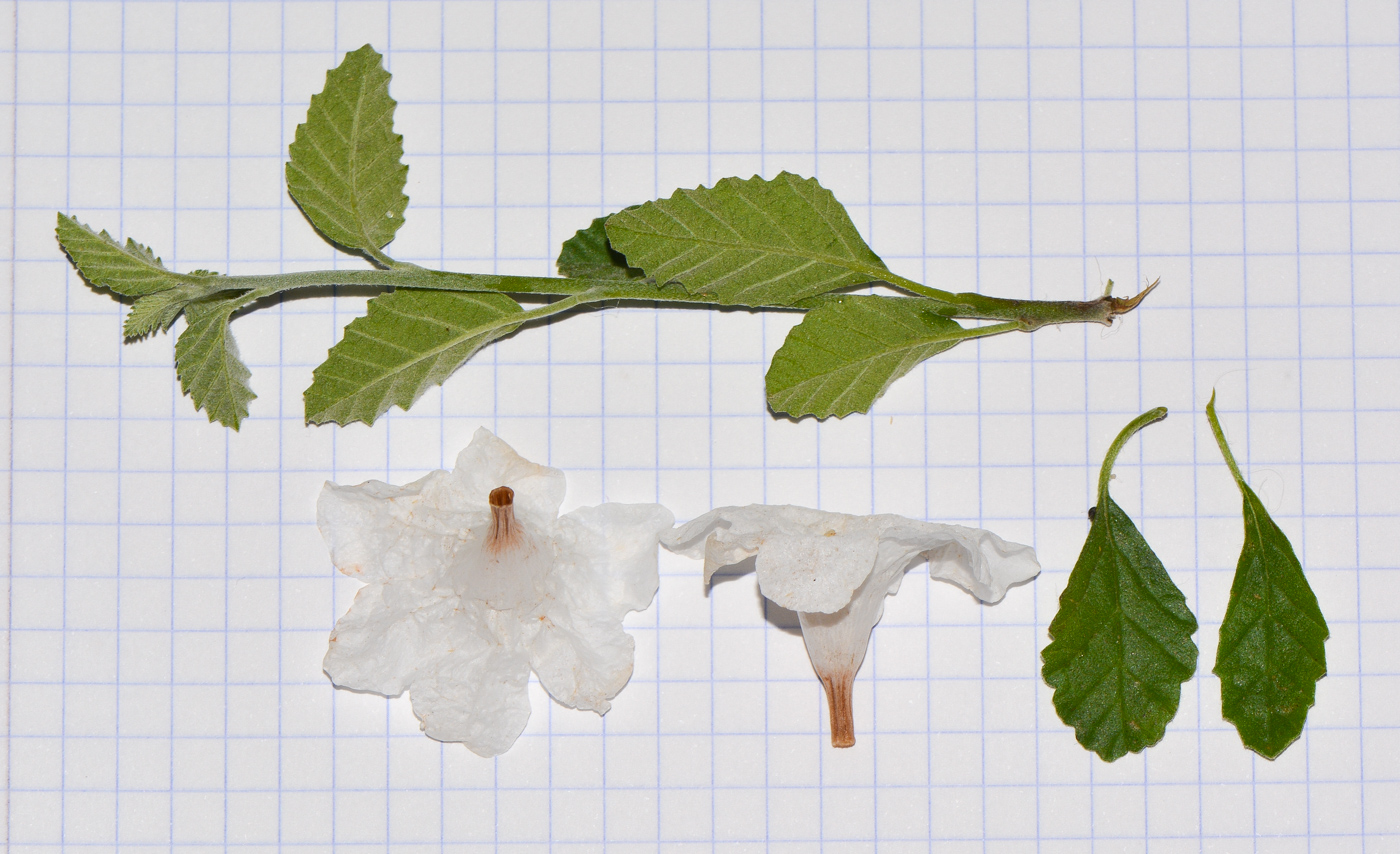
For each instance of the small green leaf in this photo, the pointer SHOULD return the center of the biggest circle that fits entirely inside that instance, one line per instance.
(1271, 651)
(155, 312)
(409, 341)
(1121, 643)
(587, 255)
(131, 270)
(207, 361)
(843, 355)
(748, 242)
(345, 167)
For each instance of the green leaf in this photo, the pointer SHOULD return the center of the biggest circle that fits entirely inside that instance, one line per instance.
(131, 270)
(207, 361)
(346, 168)
(409, 341)
(748, 242)
(1271, 642)
(156, 312)
(1121, 643)
(843, 355)
(587, 255)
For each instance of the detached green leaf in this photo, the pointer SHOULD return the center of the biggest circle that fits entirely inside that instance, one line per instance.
(346, 168)
(843, 355)
(1121, 643)
(131, 270)
(1271, 651)
(587, 255)
(208, 364)
(410, 340)
(748, 242)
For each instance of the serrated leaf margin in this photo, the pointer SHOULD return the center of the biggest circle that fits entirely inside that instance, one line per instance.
(327, 184)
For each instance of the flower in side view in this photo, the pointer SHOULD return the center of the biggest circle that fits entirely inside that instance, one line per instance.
(473, 579)
(835, 571)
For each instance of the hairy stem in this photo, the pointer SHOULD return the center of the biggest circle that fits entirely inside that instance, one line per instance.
(1027, 314)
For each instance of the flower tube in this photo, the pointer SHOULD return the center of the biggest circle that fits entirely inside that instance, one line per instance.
(473, 580)
(835, 571)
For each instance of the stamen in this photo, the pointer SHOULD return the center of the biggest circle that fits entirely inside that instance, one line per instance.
(505, 533)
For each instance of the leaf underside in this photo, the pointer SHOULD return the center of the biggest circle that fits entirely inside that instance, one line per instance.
(843, 355)
(1272, 640)
(345, 168)
(130, 270)
(748, 242)
(1121, 642)
(208, 364)
(587, 255)
(409, 341)
(155, 313)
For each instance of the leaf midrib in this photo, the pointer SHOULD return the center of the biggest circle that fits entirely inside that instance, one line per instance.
(1267, 612)
(876, 273)
(506, 320)
(866, 363)
(1117, 618)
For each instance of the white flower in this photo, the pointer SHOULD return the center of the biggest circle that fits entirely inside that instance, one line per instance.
(835, 571)
(473, 580)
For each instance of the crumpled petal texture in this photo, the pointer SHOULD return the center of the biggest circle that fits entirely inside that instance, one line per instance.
(813, 561)
(466, 665)
(582, 655)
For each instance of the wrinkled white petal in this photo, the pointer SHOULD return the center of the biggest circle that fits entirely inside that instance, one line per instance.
(607, 556)
(466, 596)
(476, 695)
(489, 462)
(376, 531)
(583, 664)
(380, 643)
(607, 567)
(978, 561)
(808, 560)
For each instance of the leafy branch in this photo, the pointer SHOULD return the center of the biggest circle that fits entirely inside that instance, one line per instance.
(780, 244)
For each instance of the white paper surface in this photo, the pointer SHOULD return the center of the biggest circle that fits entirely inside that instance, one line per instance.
(169, 598)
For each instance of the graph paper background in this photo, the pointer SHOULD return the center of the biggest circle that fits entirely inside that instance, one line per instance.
(168, 596)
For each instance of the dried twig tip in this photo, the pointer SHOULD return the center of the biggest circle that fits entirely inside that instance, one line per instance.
(1123, 306)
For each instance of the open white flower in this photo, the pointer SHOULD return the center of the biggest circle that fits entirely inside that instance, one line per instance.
(835, 571)
(473, 580)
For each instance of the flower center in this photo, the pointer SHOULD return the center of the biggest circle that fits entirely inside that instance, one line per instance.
(505, 563)
(505, 531)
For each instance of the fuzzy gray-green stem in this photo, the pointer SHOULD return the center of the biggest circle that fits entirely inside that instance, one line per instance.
(1027, 314)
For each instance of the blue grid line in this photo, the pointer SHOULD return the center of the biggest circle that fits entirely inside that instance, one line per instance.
(829, 471)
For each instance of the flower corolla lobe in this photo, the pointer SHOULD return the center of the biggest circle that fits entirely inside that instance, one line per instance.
(473, 580)
(835, 571)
